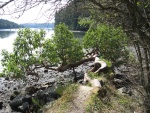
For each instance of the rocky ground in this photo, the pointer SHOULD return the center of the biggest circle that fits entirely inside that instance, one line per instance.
(15, 94)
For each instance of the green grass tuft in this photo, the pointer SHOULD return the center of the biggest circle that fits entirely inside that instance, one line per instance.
(112, 102)
(109, 64)
(93, 75)
(62, 104)
(36, 102)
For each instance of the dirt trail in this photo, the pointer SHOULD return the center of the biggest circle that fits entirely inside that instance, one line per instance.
(79, 102)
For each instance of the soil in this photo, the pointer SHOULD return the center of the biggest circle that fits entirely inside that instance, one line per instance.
(80, 99)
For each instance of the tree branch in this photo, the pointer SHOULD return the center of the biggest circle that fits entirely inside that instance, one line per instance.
(68, 66)
(107, 8)
(6, 3)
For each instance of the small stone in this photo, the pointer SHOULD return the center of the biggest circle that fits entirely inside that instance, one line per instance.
(45, 71)
(1, 105)
(16, 92)
(12, 97)
(25, 107)
(27, 98)
(16, 102)
(7, 78)
(9, 101)
(5, 85)
(15, 89)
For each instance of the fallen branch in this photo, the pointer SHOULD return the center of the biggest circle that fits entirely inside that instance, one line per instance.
(93, 82)
(98, 65)
(68, 66)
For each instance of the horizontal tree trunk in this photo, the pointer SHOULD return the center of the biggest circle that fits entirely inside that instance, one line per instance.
(69, 66)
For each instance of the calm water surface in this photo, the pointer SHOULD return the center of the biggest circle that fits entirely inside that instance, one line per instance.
(7, 37)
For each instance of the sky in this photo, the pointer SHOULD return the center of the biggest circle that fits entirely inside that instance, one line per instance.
(37, 14)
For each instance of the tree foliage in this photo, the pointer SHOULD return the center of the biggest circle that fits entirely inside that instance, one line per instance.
(31, 49)
(68, 49)
(63, 48)
(25, 52)
(71, 14)
(107, 40)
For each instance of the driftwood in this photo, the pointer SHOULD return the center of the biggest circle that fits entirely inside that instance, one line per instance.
(98, 66)
(93, 82)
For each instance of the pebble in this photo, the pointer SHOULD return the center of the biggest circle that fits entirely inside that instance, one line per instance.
(7, 78)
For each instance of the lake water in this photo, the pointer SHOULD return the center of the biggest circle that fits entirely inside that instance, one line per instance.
(7, 37)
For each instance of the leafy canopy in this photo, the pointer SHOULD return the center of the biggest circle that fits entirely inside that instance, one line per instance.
(30, 49)
(109, 41)
(68, 48)
(63, 48)
(25, 52)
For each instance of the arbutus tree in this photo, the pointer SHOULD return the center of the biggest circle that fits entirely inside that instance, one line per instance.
(31, 51)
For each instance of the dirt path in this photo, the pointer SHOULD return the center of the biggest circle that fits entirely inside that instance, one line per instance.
(79, 102)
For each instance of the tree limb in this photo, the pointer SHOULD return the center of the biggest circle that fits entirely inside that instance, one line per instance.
(6, 3)
(106, 8)
(68, 66)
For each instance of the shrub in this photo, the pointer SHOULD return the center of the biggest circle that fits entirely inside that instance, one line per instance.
(107, 40)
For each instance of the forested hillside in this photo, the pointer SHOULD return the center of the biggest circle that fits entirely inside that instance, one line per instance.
(38, 25)
(5, 24)
(71, 14)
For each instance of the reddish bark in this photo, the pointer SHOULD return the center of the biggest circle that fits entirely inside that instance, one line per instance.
(69, 66)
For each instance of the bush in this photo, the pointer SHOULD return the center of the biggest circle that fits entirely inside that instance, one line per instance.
(68, 48)
(25, 52)
(109, 41)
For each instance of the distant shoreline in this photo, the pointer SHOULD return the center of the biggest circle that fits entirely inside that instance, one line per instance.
(15, 29)
(76, 31)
